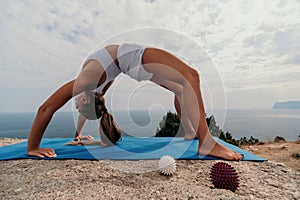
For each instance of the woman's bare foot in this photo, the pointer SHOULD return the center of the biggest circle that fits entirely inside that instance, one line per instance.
(190, 135)
(212, 148)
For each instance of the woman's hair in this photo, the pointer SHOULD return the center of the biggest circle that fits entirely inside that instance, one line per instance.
(109, 131)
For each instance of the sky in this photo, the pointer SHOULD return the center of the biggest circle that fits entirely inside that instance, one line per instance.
(247, 52)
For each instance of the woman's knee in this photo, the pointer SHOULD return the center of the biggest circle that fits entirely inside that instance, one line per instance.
(192, 77)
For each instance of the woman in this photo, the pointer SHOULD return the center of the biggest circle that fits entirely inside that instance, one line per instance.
(140, 63)
(83, 99)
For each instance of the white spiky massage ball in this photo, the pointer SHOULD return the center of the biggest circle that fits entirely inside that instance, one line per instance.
(167, 165)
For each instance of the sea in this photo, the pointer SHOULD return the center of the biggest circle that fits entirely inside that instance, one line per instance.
(262, 124)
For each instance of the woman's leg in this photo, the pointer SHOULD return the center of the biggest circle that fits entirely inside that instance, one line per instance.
(164, 65)
(189, 131)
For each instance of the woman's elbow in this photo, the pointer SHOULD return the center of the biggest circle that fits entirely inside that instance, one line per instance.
(46, 108)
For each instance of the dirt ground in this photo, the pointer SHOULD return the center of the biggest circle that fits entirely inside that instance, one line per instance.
(281, 152)
(278, 178)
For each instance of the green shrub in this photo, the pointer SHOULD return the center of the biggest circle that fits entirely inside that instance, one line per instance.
(250, 141)
(227, 137)
(169, 126)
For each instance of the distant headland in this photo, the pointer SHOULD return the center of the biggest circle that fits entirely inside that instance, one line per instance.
(287, 105)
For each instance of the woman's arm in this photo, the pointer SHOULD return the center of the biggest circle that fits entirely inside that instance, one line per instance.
(80, 123)
(89, 77)
(91, 142)
(43, 117)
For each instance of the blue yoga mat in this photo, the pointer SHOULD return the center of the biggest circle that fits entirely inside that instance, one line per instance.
(130, 148)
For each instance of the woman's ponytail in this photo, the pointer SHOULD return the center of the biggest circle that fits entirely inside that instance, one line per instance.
(109, 131)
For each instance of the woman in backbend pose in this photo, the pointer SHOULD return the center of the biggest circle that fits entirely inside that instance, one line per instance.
(140, 63)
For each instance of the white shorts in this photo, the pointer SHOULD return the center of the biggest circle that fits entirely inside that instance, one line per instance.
(130, 61)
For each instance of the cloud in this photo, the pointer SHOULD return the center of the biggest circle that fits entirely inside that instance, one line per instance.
(257, 41)
(286, 43)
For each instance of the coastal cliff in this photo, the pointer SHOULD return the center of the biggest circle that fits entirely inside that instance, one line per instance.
(287, 105)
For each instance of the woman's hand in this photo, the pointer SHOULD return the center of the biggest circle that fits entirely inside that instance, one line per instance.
(84, 137)
(74, 143)
(90, 142)
(42, 152)
(43, 117)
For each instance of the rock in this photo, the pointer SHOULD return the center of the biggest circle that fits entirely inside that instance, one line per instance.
(271, 147)
(296, 155)
(18, 190)
(264, 195)
(274, 184)
(252, 148)
(279, 139)
(280, 164)
(283, 147)
(296, 195)
(260, 143)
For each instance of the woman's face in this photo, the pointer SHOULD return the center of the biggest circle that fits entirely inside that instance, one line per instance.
(81, 100)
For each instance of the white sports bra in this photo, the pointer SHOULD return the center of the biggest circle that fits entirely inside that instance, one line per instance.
(108, 64)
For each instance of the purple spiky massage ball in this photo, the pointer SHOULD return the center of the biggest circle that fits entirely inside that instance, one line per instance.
(224, 176)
